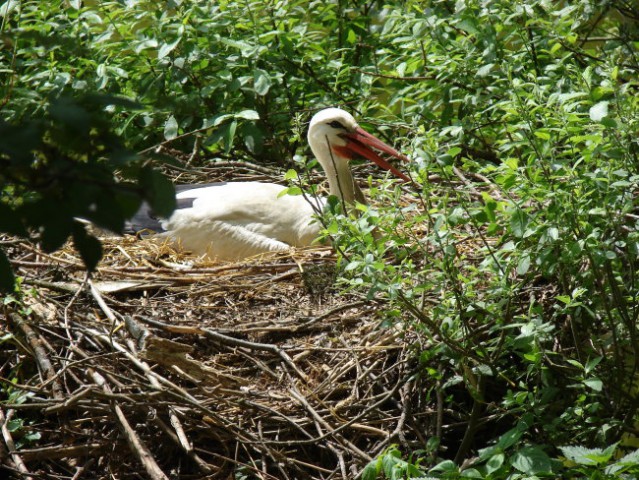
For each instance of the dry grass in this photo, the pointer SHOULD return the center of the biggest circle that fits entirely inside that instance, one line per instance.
(162, 366)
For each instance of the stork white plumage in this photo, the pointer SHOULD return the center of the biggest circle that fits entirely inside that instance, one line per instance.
(232, 221)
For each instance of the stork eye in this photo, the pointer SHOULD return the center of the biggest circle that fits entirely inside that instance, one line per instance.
(336, 124)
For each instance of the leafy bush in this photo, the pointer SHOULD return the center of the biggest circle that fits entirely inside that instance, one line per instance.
(60, 168)
(525, 275)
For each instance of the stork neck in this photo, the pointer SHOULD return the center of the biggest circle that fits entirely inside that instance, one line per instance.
(341, 182)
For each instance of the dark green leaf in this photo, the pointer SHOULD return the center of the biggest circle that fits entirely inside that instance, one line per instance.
(229, 135)
(55, 231)
(89, 247)
(159, 191)
(10, 221)
(253, 138)
(70, 113)
(167, 48)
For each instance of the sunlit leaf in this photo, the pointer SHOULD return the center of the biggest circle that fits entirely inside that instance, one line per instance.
(167, 48)
(170, 128)
(262, 82)
(248, 115)
(531, 460)
(599, 111)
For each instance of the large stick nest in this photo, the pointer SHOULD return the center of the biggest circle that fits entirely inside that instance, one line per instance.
(159, 365)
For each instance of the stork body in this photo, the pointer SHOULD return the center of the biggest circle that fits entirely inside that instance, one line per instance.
(232, 221)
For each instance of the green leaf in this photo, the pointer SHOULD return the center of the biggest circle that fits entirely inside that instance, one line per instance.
(14, 425)
(445, 466)
(564, 299)
(171, 128)
(253, 137)
(511, 437)
(248, 115)
(167, 48)
(229, 135)
(531, 461)
(594, 383)
(495, 462)
(599, 111)
(32, 437)
(159, 191)
(244, 47)
(484, 70)
(389, 460)
(216, 120)
(262, 82)
(518, 223)
(468, 473)
(225, 134)
(10, 221)
(371, 470)
(592, 364)
(88, 246)
(629, 460)
(351, 37)
(453, 152)
(586, 456)
(294, 191)
(7, 279)
(543, 134)
(524, 265)
(291, 175)
(8, 7)
(290, 191)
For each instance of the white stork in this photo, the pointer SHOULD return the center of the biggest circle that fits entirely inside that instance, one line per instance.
(232, 221)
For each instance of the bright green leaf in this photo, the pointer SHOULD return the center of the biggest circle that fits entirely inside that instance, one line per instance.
(291, 175)
(248, 115)
(594, 383)
(599, 111)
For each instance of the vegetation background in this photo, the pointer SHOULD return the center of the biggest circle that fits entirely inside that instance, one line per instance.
(533, 104)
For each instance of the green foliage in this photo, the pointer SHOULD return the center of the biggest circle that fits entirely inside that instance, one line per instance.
(392, 466)
(524, 276)
(59, 170)
(601, 463)
(230, 72)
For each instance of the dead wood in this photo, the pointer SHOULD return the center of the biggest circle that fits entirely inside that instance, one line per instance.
(161, 365)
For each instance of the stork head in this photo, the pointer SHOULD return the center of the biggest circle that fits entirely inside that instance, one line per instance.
(334, 135)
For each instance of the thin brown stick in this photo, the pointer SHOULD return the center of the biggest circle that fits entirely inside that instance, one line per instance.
(15, 457)
(137, 446)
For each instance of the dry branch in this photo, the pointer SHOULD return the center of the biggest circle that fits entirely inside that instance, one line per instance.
(204, 369)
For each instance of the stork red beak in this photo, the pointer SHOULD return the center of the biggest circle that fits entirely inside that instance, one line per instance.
(360, 143)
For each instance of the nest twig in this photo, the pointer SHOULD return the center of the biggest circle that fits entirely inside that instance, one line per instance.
(159, 365)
